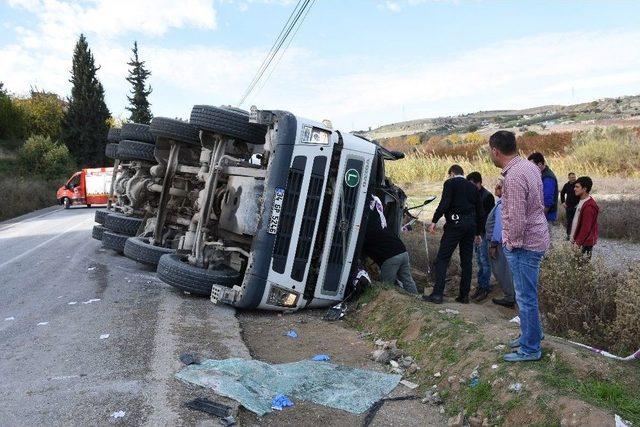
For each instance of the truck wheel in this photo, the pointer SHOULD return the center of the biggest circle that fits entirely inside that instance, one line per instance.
(162, 127)
(115, 241)
(178, 273)
(114, 135)
(101, 215)
(111, 150)
(230, 122)
(122, 224)
(136, 132)
(97, 231)
(66, 202)
(136, 150)
(139, 249)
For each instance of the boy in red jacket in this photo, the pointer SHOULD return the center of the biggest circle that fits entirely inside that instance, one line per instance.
(584, 231)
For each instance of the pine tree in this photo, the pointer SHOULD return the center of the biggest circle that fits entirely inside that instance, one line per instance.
(138, 74)
(84, 128)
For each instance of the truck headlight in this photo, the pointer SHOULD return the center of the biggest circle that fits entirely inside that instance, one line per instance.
(282, 297)
(312, 135)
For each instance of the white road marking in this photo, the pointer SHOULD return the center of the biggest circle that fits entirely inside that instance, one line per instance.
(91, 300)
(24, 254)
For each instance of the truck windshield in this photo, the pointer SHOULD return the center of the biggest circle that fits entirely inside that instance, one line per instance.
(74, 181)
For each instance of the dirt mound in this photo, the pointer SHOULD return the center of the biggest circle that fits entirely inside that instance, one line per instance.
(451, 341)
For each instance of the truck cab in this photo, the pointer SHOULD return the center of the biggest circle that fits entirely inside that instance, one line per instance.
(291, 226)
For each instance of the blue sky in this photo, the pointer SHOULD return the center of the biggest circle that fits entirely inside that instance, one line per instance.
(358, 63)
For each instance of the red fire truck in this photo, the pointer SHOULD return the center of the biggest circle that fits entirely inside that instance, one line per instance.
(86, 187)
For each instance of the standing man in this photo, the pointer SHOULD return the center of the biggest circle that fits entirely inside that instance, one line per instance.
(549, 188)
(461, 207)
(584, 231)
(569, 200)
(525, 238)
(482, 250)
(499, 264)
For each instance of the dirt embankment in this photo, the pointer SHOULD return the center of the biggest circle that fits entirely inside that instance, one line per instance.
(568, 387)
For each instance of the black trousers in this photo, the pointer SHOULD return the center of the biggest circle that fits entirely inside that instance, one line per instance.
(571, 212)
(455, 235)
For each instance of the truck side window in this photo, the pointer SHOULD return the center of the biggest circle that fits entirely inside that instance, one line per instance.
(74, 182)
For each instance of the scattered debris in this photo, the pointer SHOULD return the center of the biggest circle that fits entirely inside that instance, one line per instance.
(104, 336)
(409, 384)
(291, 333)
(91, 300)
(72, 302)
(210, 407)
(118, 414)
(280, 402)
(494, 366)
(321, 358)
(9, 318)
(364, 334)
(515, 387)
(43, 323)
(253, 383)
(91, 268)
(449, 311)
(499, 347)
(437, 375)
(336, 312)
(394, 364)
(433, 397)
(189, 358)
(515, 320)
(381, 356)
(457, 421)
(622, 423)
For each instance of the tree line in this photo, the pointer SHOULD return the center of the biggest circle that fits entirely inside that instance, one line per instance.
(81, 121)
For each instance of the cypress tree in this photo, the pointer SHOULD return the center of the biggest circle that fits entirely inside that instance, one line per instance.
(138, 74)
(84, 128)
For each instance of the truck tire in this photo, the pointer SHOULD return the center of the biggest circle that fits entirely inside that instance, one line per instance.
(136, 132)
(122, 224)
(115, 241)
(65, 202)
(101, 215)
(135, 150)
(174, 271)
(177, 130)
(226, 121)
(97, 231)
(111, 150)
(139, 249)
(114, 135)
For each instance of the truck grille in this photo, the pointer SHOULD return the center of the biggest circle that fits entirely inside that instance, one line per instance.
(309, 218)
(342, 228)
(288, 214)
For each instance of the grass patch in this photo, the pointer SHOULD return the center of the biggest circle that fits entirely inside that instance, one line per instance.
(605, 393)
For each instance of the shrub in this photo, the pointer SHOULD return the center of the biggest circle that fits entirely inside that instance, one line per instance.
(42, 157)
(552, 143)
(618, 219)
(615, 150)
(43, 113)
(11, 118)
(588, 302)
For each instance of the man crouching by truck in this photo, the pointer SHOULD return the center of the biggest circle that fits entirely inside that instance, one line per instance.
(387, 250)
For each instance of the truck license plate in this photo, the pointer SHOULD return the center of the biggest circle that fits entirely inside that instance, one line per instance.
(275, 211)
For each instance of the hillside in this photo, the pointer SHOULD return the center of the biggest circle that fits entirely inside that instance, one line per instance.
(623, 111)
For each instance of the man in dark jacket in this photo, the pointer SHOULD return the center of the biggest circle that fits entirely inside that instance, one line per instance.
(482, 250)
(460, 205)
(549, 188)
(387, 250)
(584, 231)
(569, 200)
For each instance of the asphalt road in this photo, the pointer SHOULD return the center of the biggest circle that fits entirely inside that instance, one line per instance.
(86, 333)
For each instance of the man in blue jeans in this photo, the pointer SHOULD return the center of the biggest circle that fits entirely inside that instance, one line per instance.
(525, 238)
(482, 249)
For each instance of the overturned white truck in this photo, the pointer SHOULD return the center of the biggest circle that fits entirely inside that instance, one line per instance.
(281, 219)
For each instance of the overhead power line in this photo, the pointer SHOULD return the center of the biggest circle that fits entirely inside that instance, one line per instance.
(301, 10)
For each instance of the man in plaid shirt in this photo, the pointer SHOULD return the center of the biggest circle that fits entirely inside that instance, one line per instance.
(525, 238)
